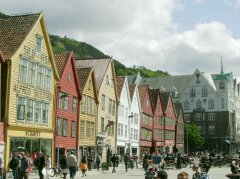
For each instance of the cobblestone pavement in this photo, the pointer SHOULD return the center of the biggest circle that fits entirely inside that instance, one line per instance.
(215, 173)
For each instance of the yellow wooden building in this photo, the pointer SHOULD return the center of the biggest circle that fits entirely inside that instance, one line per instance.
(31, 85)
(88, 113)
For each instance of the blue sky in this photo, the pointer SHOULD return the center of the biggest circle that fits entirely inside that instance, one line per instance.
(177, 36)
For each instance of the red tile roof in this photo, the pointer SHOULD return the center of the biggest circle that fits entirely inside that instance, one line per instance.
(14, 30)
(61, 60)
(142, 90)
(83, 74)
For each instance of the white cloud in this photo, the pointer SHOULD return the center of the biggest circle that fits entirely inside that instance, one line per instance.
(139, 32)
(233, 3)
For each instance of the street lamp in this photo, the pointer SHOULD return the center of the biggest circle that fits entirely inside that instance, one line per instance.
(60, 119)
(187, 135)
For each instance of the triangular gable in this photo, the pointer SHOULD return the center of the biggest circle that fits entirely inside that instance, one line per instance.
(170, 111)
(144, 92)
(136, 93)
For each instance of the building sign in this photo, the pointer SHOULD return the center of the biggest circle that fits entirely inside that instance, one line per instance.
(31, 53)
(32, 134)
(36, 93)
(146, 143)
(159, 144)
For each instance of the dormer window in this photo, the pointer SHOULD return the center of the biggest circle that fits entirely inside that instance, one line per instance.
(221, 85)
(38, 44)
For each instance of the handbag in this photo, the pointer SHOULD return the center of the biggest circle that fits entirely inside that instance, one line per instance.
(65, 170)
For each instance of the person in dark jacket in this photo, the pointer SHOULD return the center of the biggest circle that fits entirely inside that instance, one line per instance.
(98, 161)
(114, 163)
(24, 167)
(40, 164)
(126, 160)
(14, 165)
(89, 162)
(63, 165)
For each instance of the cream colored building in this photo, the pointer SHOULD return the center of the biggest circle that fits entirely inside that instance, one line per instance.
(107, 95)
(29, 114)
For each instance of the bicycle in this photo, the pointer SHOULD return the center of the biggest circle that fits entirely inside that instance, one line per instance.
(55, 171)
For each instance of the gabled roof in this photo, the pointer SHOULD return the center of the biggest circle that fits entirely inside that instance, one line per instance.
(2, 60)
(13, 31)
(142, 89)
(61, 60)
(177, 107)
(154, 97)
(119, 84)
(83, 74)
(168, 83)
(165, 99)
(99, 65)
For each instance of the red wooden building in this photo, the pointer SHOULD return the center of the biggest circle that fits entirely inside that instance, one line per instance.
(146, 120)
(66, 130)
(170, 121)
(158, 122)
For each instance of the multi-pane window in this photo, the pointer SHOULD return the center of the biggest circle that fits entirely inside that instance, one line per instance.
(186, 105)
(74, 105)
(161, 120)
(192, 92)
(47, 79)
(211, 104)
(102, 125)
(187, 117)
(211, 130)
(126, 130)
(92, 129)
(31, 73)
(135, 118)
(43, 77)
(202, 129)
(74, 128)
(199, 104)
(82, 129)
(211, 117)
(131, 133)
(65, 127)
(29, 110)
(204, 92)
(21, 108)
(198, 116)
(111, 107)
(38, 44)
(145, 119)
(93, 106)
(63, 101)
(23, 70)
(135, 137)
(88, 129)
(40, 76)
(120, 129)
(32, 111)
(59, 127)
(83, 107)
(103, 102)
(89, 105)
(146, 134)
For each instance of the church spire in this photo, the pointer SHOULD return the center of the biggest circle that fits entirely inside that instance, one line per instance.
(221, 66)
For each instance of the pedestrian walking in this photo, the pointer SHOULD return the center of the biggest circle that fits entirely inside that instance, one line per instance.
(135, 159)
(204, 171)
(83, 166)
(30, 162)
(196, 175)
(14, 165)
(40, 164)
(98, 161)
(63, 165)
(126, 161)
(47, 165)
(89, 162)
(114, 163)
(72, 164)
(162, 175)
(23, 167)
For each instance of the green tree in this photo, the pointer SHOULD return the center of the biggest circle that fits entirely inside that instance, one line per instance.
(195, 140)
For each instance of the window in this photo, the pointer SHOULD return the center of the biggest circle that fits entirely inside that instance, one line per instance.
(198, 104)
(21, 108)
(74, 105)
(221, 85)
(74, 128)
(198, 117)
(82, 129)
(38, 44)
(93, 106)
(37, 111)
(186, 105)
(107, 80)
(47, 79)
(202, 129)
(211, 104)
(192, 92)
(222, 101)
(120, 129)
(23, 70)
(65, 127)
(69, 77)
(83, 103)
(88, 129)
(89, 105)
(211, 117)
(102, 125)
(31, 73)
(40, 76)
(59, 124)
(63, 101)
(135, 137)
(147, 102)
(126, 130)
(29, 110)
(110, 106)
(44, 113)
(186, 117)
(103, 102)
(211, 130)
(204, 92)
(92, 129)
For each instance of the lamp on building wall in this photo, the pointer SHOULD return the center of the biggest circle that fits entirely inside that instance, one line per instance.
(59, 119)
